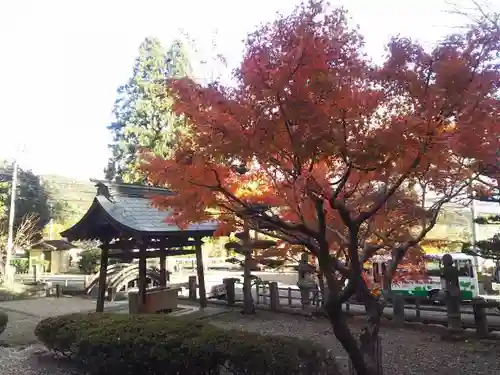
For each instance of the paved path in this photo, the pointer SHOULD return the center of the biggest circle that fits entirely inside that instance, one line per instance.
(25, 314)
(24, 356)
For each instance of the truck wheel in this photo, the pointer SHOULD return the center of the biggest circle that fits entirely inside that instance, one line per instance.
(434, 297)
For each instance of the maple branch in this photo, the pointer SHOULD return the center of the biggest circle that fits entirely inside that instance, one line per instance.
(337, 233)
(291, 238)
(343, 180)
(318, 203)
(493, 20)
(366, 232)
(399, 252)
(254, 213)
(296, 160)
(369, 251)
(377, 206)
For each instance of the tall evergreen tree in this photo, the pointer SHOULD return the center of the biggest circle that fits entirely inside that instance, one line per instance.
(490, 248)
(143, 116)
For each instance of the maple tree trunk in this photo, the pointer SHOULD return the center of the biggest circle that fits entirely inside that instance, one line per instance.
(342, 332)
(338, 320)
(365, 357)
(369, 338)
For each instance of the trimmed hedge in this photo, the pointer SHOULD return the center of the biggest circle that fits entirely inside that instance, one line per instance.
(155, 344)
(4, 319)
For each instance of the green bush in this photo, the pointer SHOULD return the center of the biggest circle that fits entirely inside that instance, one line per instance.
(4, 319)
(21, 265)
(155, 344)
(89, 261)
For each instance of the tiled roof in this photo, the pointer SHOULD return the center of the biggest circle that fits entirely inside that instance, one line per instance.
(138, 214)
(130, 207)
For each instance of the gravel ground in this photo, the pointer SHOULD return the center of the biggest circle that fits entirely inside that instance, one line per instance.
(20, 354)
(32, 360)
(406, 352)
(19, 330)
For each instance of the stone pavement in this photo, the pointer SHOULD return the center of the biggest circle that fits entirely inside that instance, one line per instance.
(19, 350)
(24, 315)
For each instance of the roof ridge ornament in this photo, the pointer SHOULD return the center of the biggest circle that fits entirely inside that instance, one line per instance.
(104, 191)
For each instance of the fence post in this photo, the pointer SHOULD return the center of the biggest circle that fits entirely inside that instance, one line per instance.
(289, 296)
(192, 287)
(111, 294)
(449, 281)
(417, 307)
(274, 295)
(229, 283)
(35, 273)
(453, 312)
(398, 309)
(257, 292)
(480, 318)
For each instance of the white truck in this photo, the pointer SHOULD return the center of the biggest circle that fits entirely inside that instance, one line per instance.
(429, 285)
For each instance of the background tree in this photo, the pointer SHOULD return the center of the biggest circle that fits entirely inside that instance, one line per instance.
(143, 115)
(31, 196)
(488, 191)
(483, 16)
(317, 146)
(26, 234)
(32, 210)
(69, 200)
(89, 261)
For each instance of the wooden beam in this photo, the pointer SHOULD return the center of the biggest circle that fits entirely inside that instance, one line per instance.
(151, 253)
(103, 274)
(150, 244)
(163, 270)
(142, 278)
(201, 274)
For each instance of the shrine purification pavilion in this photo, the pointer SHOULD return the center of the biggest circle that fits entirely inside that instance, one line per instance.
(128, 227)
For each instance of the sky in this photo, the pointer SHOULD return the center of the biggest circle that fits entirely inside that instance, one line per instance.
(62, 61)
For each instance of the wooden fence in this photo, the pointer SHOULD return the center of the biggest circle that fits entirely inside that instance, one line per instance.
(480, 315)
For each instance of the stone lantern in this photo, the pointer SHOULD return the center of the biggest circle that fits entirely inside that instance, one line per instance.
(306, 281)
(451, 289)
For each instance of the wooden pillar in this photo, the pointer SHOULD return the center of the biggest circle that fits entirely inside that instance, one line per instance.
(103, 274)
(163, 269)
(142, 277)
(201, 274)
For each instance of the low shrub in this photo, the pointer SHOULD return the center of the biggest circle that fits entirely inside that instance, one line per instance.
(21, 265)
(155, 344)
(4, 319)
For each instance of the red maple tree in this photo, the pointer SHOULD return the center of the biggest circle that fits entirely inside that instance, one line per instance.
(318, 146)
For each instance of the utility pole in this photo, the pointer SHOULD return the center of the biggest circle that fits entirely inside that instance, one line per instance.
(474, 241)
(51, 221)
(12, 215)
(473, 224)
